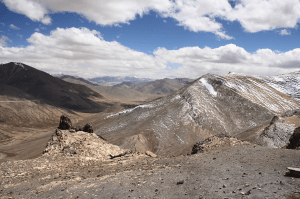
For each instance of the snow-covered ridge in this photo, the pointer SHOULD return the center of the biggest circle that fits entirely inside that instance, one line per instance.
(132, 109)
(260, 93)
(208, 87)
(288, 84)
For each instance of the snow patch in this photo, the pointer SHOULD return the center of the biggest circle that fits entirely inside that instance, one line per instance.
(175, 98)
(209, 87)
(20, 64)
(130, 110)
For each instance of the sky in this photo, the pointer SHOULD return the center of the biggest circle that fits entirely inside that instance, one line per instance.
(152, 38)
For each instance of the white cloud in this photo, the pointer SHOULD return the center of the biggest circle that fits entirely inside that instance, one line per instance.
(4, 40)
(197, 61)
(260, 15)
(285, 32)
(200, 15)
(37, 30)
(193, 15)
(101, 11)
(12, 26)
(83, 52)
(35, 10)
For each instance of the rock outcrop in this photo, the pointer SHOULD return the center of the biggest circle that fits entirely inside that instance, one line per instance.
(80, 144)
(64, 123)
(88, 128)
(215, 142)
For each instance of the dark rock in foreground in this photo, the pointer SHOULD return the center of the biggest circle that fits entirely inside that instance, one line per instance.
(294, 141)
(64, 123)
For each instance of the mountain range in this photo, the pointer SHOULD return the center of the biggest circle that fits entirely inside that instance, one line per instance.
(157, 87)
(159, 115)
(130, 92)
(228, 105)
(222, 129)
(111, 81)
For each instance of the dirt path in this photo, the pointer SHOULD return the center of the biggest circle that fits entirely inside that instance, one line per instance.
(226, 172)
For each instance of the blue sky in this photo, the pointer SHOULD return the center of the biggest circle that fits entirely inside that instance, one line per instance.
(156, 39)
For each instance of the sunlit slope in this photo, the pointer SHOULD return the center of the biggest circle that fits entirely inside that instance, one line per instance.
(258, 91)
(285, 83)
(211, 105)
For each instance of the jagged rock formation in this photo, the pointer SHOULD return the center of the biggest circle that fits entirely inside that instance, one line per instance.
(212, 105)
(81, 145)
(277, 133)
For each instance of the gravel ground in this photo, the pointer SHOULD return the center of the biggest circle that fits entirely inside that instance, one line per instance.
(242, 171)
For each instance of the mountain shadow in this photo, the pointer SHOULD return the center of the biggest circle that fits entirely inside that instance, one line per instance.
(25, 82)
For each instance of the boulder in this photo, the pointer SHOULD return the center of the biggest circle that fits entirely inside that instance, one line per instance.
(294, 141)
(88, 128)
(78, 128)
(151, 154)
(64, 123)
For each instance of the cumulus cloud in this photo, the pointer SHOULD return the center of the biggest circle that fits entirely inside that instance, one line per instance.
(285, 32)
(260, 15)
(83, 52)
(4, 40)
(12, 26)
(100, 11)
(197, 61)
(33, 9)
(200, 15)
(193, 15)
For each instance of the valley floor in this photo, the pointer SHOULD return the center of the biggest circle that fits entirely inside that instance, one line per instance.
(242, 171)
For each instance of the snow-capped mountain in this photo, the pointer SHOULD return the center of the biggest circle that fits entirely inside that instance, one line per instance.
(212, 105)
(111, 81)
